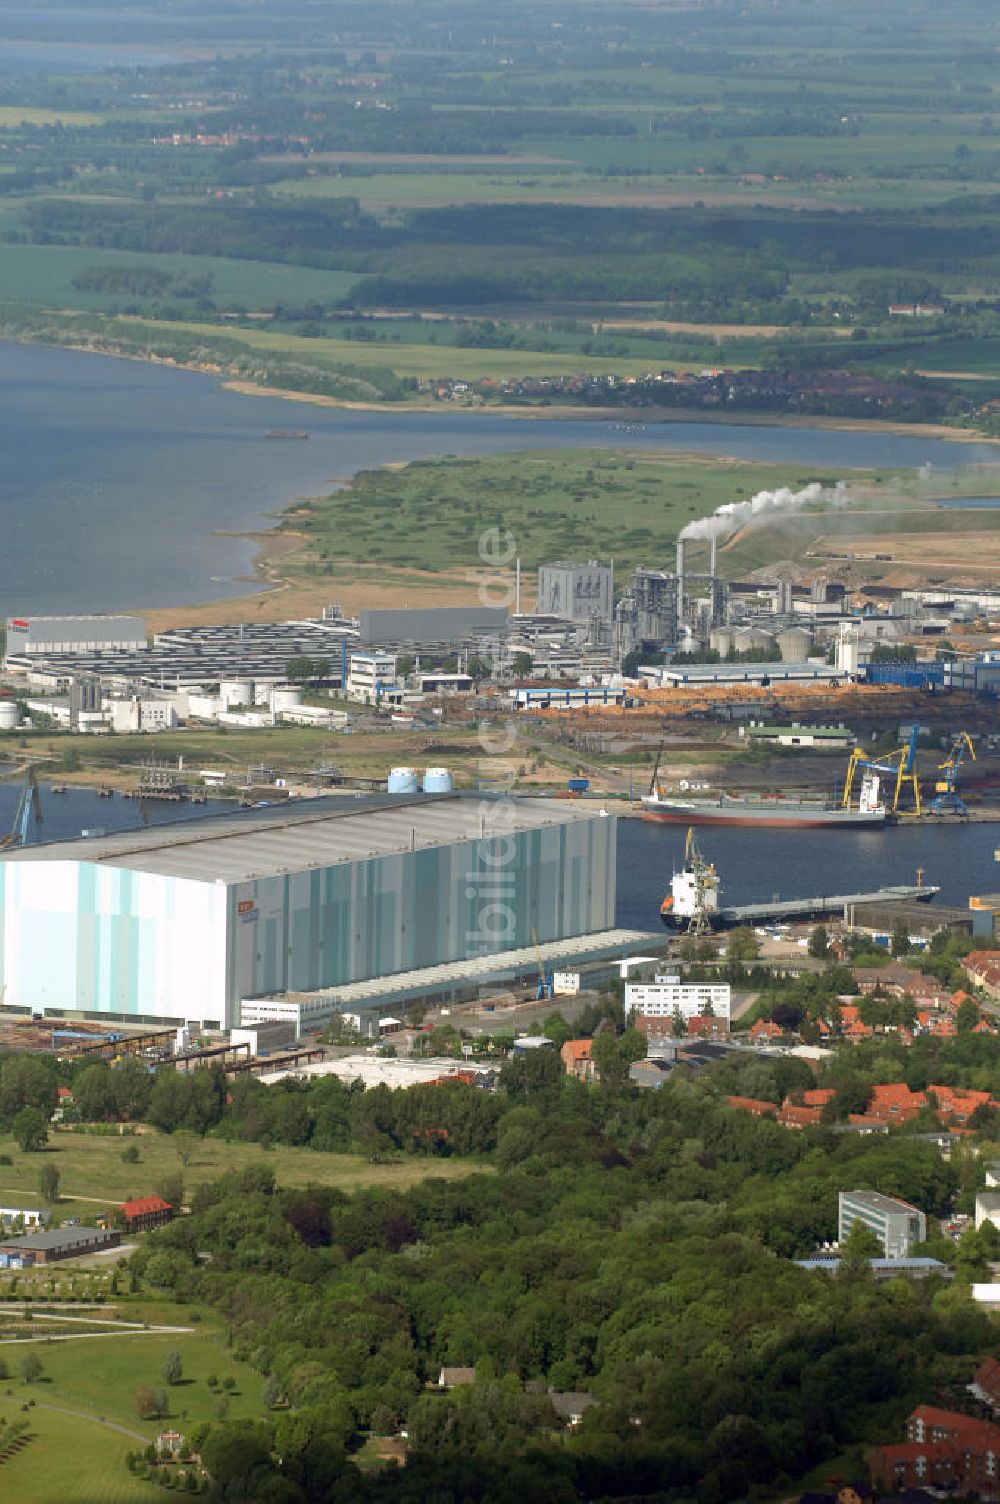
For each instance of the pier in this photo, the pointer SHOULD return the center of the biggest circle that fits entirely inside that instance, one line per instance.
(816, 908)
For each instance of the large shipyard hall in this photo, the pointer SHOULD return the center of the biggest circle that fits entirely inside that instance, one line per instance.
(183, 922)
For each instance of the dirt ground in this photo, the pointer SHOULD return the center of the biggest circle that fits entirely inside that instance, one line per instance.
(353, 586)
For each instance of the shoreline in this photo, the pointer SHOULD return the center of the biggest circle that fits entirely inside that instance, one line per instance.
(628, 416)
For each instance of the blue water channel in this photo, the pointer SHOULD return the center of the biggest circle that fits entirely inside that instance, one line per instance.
(119, 476)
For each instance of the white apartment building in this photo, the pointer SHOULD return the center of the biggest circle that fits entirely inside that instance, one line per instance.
(664, 999)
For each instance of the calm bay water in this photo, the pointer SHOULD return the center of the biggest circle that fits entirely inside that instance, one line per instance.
(756, 866)
(118, 476)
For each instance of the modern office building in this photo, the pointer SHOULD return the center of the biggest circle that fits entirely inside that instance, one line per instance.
(898, 1226)
(179, 923)
(664, 999)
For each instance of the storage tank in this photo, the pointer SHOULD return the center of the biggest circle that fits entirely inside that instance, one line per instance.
(438, 781)
(720, 639)
(8, 715)
(402, 781)
(795, 644)
(236, 692)
(285, 697)
(751, 640)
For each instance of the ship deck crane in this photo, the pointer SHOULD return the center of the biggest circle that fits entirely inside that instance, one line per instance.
(947, 799)
(899, 766)
(29, 804)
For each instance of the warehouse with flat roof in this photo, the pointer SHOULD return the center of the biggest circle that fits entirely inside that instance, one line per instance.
(179, 923)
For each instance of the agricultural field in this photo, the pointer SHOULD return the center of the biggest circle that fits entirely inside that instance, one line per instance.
(424, 362)
(708, 168)
(49, 275)
(93, 1175)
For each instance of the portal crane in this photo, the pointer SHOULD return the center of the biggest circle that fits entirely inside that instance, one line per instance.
(28, 804)
(901, 766)
(947, 799)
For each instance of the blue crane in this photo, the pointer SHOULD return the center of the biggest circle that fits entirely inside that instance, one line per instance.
(947, 799)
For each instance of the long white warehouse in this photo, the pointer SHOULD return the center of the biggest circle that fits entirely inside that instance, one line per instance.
(182, 922)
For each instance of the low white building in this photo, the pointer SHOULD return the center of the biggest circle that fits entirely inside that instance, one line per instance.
(141, 715)
(664, 999)
(313, 715)
(25, 1216)
(987, 1208)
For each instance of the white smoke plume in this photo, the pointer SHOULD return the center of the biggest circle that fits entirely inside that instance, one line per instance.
(737, 514)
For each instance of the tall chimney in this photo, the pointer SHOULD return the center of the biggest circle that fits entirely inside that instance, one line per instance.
(711, 555)
(680, 585)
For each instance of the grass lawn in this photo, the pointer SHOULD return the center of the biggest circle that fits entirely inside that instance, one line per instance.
(99, 1376)
(557, 504)
(91, 1168)
(69, 1461)
(360, 755)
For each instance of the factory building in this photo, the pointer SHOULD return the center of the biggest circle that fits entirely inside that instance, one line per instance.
(576, 591)
(427, 626)
(178, 924)
(37, 636)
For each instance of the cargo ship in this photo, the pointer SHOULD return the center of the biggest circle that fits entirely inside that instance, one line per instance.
(767, 810)
(286, 433)
(694, 902)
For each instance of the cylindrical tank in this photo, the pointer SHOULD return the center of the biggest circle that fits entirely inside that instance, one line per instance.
(751, 639)
(794, 644)
(285, 697)
(234, 692)
(402, 781)
(438, 781)
(8, 715)
(721, 640)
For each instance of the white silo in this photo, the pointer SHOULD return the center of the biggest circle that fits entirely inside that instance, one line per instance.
(9, 718)
(403, 781)
(438, 781)
(236, 694)
(285, 697)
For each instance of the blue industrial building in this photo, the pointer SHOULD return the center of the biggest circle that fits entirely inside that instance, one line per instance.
(181, 922)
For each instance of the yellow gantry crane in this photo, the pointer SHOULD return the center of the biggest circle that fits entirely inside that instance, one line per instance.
(899, 766)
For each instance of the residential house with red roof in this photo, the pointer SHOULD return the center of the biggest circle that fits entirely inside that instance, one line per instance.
(982, 967)
(955, 1106)
(894, 1102)
(943, 1449)
(752, 1105)
(145, 1213)
(986, 1383)
(577, 1056)
(765, 1030)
